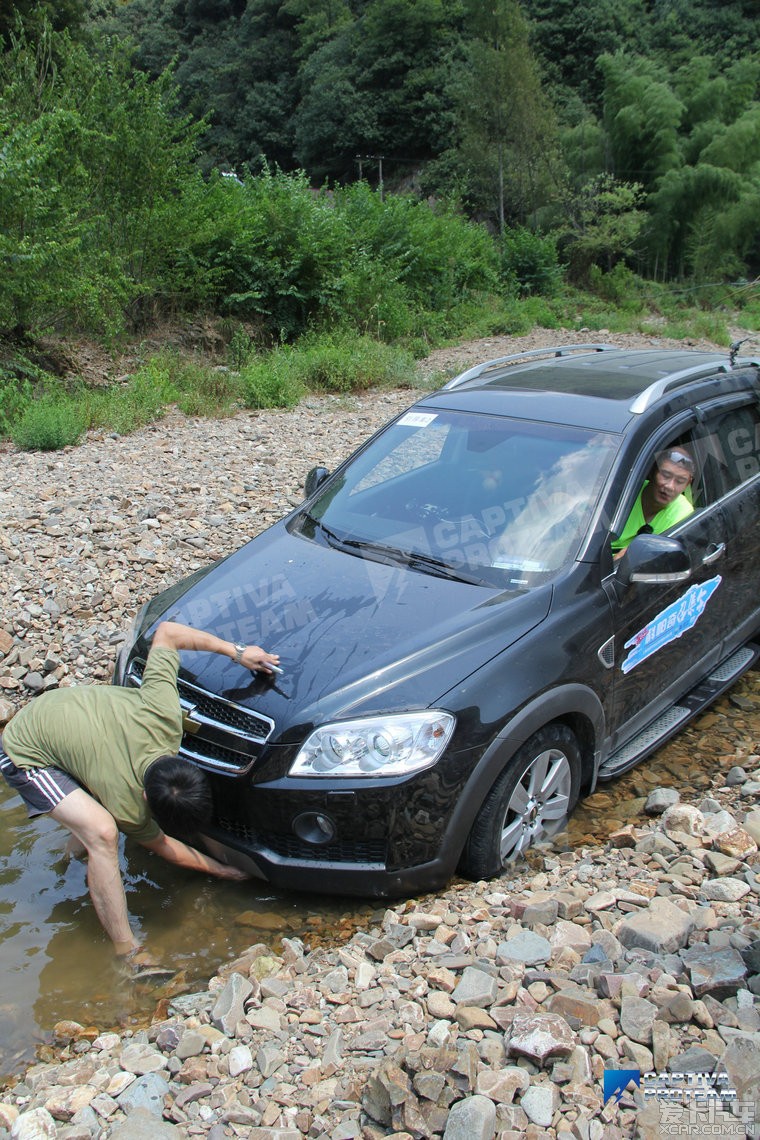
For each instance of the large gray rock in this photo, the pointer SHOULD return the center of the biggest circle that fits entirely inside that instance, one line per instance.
(662, 928)
(718, 972)
(526, 947)
(660, 800)
(230, 1005)
(140, 1058)
(143, 1125)
(742, 1064)
(473, 1118)
(476, 988)
(147, 1093)
(637, 1018)
(724, 890)
(539, 1104)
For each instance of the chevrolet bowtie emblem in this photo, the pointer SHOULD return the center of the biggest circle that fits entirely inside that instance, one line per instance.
(188, 724)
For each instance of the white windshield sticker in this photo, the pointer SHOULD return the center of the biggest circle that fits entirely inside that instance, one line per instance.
(527, 565)
(417, 419)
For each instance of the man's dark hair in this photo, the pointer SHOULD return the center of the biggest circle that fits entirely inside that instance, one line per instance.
(178, 795)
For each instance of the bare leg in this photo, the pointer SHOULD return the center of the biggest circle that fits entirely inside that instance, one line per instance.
(96, 830)
(74, 849)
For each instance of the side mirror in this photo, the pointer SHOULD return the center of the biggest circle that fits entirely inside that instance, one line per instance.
(314, 480)
(654, 559)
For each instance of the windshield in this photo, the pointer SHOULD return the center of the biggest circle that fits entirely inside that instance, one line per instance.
(489, 499)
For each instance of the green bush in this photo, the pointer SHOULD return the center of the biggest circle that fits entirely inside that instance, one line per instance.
(49, 424)
(435, 253)
(167, 378)
(337, 362)
(271, 381)
(288, 260)
(274, 253)
(620, 286)
(531, 262)
(16, 393)
(240, 348)
(342, 362)
(214, 392)
(698, 325)
(750, 317)
(126, 407)
(369, 298)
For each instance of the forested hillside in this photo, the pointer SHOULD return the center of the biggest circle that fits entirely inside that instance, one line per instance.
(548, 138)
(524, 111)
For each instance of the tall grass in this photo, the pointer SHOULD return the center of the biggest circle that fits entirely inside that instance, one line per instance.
(57, 417)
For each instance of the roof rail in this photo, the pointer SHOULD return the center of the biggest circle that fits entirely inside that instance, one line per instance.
(658, 389)
(556, 350)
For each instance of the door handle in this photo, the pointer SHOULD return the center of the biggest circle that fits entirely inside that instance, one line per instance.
(716, 553)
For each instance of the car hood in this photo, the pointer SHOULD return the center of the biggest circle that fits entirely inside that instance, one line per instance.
(355, 636)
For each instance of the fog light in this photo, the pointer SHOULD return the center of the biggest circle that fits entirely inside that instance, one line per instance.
(313, 827)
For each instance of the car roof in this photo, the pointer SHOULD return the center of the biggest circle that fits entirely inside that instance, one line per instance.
(593, 385)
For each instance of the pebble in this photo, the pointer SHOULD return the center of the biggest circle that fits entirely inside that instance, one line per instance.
(489, 1010)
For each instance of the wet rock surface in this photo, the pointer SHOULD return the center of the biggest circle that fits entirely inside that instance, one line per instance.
(490, 1010)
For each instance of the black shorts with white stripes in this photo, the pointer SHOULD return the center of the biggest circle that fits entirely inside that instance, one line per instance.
(41, 789)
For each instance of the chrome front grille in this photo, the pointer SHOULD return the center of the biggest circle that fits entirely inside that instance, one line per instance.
(218, 734)
(217, 710)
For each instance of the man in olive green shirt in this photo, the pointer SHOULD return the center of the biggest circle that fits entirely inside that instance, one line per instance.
(101, 760)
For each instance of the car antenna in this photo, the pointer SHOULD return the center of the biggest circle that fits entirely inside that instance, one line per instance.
(734, 350)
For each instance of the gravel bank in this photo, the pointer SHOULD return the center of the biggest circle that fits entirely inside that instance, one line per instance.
(490, 1010)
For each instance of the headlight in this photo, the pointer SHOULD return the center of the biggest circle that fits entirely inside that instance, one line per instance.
(395, 745)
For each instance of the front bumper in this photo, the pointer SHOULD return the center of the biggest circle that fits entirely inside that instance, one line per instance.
(392, 837)
(364, 880)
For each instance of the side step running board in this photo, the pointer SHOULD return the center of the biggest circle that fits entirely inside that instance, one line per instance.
(688, 707)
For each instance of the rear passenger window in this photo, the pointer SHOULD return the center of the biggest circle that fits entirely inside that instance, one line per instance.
(730, 451)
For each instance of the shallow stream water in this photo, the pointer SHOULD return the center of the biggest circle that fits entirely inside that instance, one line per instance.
(57, 964)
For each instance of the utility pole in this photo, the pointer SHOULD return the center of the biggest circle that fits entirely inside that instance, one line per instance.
(378, 158)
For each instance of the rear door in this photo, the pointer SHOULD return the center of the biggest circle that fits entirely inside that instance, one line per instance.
(731, 448)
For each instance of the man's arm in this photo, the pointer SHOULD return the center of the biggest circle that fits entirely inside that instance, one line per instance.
(173, 635)
(179, 853)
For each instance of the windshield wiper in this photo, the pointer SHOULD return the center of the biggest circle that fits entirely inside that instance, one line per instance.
(412, 559)
(442, 569)
(415, 560)
(333, 539)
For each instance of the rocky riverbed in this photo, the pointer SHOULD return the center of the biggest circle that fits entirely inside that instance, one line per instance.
(493, 1010)
(490, 1010)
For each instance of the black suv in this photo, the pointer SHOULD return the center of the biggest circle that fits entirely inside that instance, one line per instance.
(470, 636)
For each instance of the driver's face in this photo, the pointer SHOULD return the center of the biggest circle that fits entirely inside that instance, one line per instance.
(670, 480)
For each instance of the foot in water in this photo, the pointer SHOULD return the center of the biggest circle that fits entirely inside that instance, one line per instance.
(139, 966)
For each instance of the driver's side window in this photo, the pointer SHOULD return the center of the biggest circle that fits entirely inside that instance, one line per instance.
(669, 492)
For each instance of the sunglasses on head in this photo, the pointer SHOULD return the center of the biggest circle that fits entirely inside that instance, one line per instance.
(677, 457)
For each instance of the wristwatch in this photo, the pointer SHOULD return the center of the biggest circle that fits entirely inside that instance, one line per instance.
(239, 651)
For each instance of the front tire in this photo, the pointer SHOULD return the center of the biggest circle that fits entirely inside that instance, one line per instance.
(529, 801)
